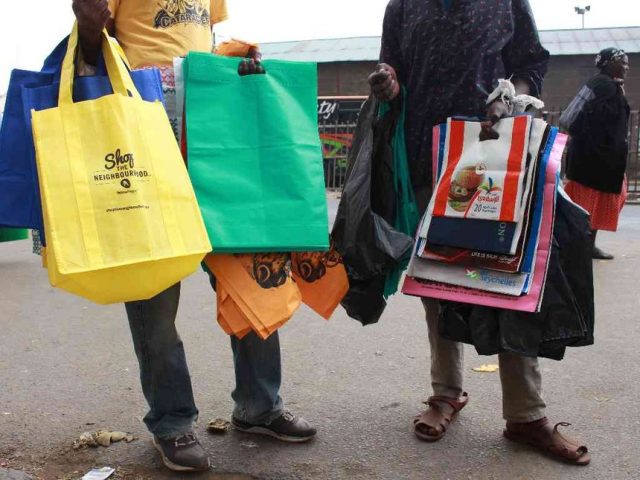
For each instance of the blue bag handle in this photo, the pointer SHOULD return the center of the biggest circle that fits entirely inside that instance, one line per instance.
(53, 63)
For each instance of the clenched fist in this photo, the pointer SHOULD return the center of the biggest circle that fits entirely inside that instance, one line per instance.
(92, 16)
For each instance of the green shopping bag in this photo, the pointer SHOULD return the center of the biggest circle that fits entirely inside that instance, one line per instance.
(254, 155)
(12, 234)
(407, 214)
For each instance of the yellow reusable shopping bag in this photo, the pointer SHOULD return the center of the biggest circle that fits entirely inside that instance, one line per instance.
(120, 215)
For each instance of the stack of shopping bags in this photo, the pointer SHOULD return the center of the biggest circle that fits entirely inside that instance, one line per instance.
(117, 207)
(486, 236)
(254, 157)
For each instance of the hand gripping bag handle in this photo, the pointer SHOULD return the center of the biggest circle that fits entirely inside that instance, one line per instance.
(117, 70)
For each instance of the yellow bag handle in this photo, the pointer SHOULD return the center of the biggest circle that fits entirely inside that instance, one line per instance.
(115, 61)
(120, 51)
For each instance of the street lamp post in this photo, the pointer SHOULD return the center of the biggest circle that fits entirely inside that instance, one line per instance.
(583, 11)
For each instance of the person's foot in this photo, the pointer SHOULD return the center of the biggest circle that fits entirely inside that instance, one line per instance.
(287, 427)
(546, 437)
(432, 424)
(183, 453)
(600, 255)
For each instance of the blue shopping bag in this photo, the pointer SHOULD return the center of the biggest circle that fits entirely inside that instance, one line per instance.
(16, 170)
(20, 198)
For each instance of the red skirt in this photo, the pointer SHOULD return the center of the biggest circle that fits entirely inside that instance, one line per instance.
(604, 207)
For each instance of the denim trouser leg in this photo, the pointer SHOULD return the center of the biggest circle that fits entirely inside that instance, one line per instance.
(258, 378)
(164, 374)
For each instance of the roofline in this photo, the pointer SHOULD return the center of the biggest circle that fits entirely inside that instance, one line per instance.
(321, 39)
(379, 36)
(582, 29)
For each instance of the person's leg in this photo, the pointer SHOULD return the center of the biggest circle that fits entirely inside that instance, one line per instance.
(165, 380)
(599, 254)
(258, 405)
(446, 380)
(258, 378)
(447, 357)
(524, 410)
(521, 388)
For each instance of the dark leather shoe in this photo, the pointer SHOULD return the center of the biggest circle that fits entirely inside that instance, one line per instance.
(183, 453)
(287, 427)
(600, 255)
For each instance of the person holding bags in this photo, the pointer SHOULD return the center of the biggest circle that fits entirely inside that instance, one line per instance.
(448, 55)
(152, 33)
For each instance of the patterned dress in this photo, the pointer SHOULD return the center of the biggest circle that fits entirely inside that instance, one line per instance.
(450, 59)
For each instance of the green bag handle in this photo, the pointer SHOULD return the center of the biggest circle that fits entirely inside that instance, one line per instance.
(407, 214)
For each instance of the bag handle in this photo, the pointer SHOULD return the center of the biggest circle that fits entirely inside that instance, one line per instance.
(115, 61)
(117, 67)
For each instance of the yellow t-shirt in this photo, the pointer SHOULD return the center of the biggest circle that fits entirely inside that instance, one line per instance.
(154, 32)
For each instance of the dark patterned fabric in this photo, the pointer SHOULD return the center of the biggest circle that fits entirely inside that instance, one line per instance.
(450, 60)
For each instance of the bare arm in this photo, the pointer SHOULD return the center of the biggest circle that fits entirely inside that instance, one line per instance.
(385, 81)
(93, 16)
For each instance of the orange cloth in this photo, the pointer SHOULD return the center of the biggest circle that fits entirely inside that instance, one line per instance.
(230, 317)
(261, 292)
(235, 48)
(154, 32)
(257, 292)
(322, 280)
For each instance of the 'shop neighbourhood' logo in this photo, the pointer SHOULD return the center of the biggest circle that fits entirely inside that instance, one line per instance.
(120, 166)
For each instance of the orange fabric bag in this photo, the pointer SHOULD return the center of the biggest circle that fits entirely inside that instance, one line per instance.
(322, 280)
(257, 287)
(261, 292)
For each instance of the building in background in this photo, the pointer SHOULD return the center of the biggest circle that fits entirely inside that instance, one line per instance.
(344, 64)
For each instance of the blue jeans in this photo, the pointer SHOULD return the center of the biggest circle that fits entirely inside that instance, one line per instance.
(165, 378)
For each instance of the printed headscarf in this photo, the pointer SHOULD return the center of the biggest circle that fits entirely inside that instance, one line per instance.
(608, 56)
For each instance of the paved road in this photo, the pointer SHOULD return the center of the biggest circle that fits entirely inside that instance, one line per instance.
(67, 366)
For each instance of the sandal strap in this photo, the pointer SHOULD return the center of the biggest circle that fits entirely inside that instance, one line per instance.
(580, 450)
(456, 403)
(435, 419)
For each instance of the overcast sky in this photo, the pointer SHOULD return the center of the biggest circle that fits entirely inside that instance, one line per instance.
(31, 28)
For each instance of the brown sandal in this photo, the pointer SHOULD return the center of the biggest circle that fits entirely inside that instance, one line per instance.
(540, 435)
(433, 418)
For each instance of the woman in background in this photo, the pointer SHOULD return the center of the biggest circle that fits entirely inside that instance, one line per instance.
(597, 153)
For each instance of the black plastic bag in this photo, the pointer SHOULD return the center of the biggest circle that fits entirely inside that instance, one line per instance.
(566, 318)
(363, 232)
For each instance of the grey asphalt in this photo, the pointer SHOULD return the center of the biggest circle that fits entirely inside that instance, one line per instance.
(67, 366)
